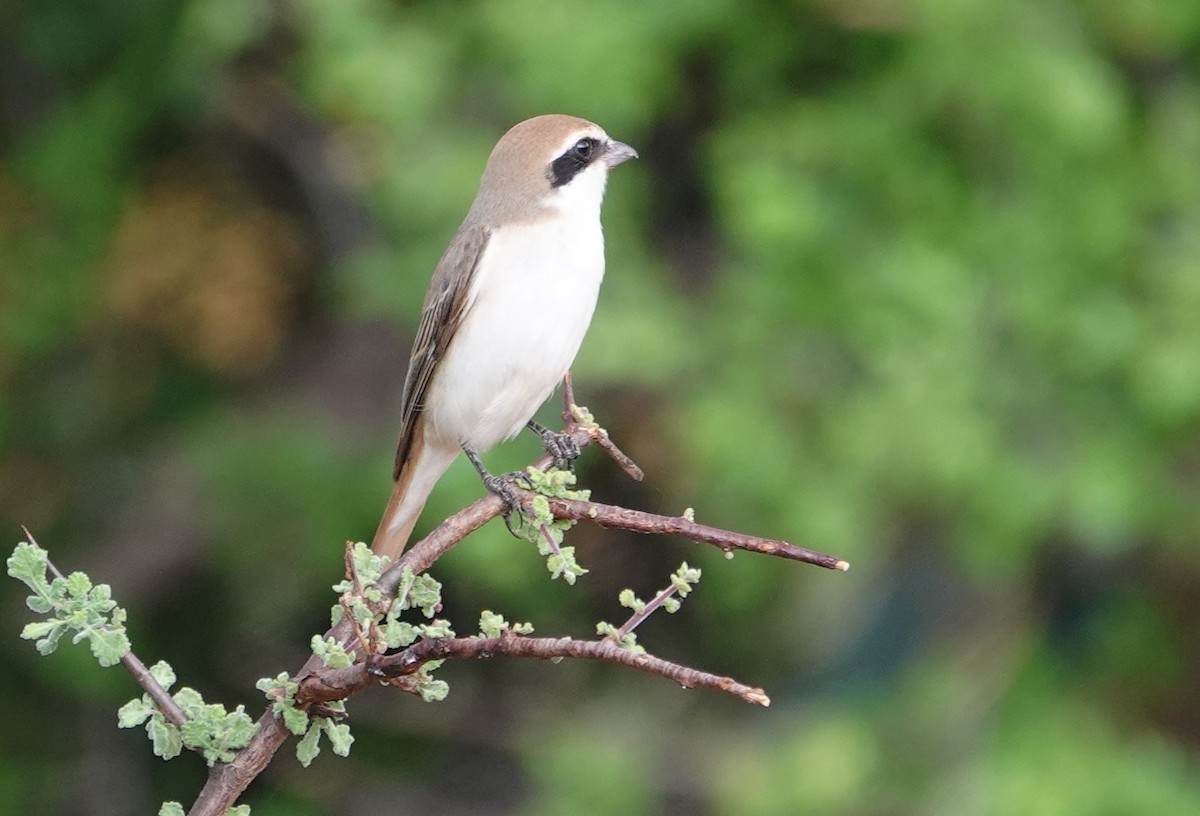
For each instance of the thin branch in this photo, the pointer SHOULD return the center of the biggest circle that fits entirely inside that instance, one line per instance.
(617, 455)
(451, 531)
(568, 397)
(332, 685)
(356, 590)
(573, 417)
(162, 699)
(607, 515)
(637, 618)
(49, 564)
(351, 570)
(421, 556)
(549, 539)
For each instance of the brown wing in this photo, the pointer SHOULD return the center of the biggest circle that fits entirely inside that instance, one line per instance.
(445, 303)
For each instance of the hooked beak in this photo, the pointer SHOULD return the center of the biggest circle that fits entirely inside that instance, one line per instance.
(617, 152)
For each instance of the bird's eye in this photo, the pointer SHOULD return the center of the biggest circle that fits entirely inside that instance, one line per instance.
(584, 149)
(573, 161)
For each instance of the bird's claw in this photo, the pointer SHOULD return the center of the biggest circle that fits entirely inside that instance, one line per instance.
(562, 446)
(505, 486)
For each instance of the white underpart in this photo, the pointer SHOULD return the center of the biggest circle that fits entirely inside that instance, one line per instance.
(531, 303)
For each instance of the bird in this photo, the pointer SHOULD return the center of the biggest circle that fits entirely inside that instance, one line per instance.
(506, 309)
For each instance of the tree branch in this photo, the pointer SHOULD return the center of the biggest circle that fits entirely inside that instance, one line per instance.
(607, 515)
(318, 684)
(574, 418)
(327, 685)
(161, 697)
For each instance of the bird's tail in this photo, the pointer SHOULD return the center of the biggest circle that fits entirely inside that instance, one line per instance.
(417, 476)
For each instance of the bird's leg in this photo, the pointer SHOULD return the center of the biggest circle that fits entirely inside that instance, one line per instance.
(561, 446)
(503, 486)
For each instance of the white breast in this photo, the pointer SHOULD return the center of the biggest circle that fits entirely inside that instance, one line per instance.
(532, 300)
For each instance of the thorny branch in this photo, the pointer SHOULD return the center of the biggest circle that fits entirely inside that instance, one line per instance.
(318, 684)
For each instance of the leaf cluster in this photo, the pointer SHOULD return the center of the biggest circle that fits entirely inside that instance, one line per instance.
(537, 525)
(209, 729)
(72, 604)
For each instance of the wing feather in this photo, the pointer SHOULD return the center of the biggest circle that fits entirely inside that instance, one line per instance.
(446, 301)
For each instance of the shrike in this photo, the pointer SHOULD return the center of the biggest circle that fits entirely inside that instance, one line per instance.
(507, 308)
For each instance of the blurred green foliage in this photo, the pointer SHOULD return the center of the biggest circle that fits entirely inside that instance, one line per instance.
(917, 283)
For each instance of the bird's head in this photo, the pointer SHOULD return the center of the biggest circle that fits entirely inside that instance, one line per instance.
(550, 162)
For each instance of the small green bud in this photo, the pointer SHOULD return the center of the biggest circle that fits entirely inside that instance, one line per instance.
(630, 601)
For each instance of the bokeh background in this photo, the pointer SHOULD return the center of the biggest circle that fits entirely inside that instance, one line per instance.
(916, 282)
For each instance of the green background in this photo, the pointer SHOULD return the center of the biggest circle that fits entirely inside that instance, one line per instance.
(916, 282)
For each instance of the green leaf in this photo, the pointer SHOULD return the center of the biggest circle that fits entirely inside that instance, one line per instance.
(436, 629)
(171, 809)
(28, 564)
(434, 691)
(39, 604)
(404, 586)
(339, 735)
(425, 594)
(491, 625)
(281, 691)
(38, 629)
(626, 641)
(565, 566)
(630, 601)
(189, 700)
(331, 653)
(217, 734)
(278, 687)
(163, 674)
(367, 564)
(542, 515)
(294, 719)
(109, 645)
(361, 612)
(308, 747)
(397, 633)
(48, 644)
(78, 585)
(683, 579)
(555, 483)
(165, 738)
(134, 713)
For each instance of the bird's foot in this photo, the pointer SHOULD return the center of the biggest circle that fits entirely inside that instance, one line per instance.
(562, 446)
(507, 486)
